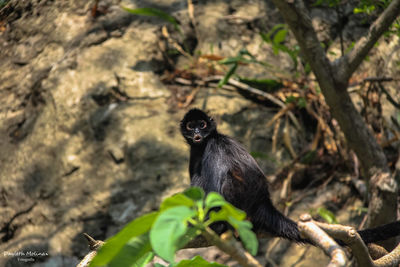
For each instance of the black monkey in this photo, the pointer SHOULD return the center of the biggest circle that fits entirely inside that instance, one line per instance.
(220, 164)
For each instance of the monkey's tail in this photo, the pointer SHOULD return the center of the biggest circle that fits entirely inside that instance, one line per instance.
(288, 229)
(282, 226)
(275, 223)
(380, 233)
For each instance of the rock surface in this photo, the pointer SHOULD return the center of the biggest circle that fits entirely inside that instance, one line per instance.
(88, 136)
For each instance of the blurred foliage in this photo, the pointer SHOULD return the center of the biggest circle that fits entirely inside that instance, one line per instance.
(154, 12)
(180, 219)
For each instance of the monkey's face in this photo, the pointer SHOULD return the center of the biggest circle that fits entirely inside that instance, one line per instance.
(196, 126)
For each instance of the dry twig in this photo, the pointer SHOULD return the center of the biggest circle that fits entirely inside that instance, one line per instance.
(230, 246)
(94, 246)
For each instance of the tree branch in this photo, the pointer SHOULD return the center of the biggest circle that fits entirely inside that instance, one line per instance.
(310, 230)
(321, 234)
(232, 248)
(298, 18)
(351, 238)
(383, 201)
(94, 246)
(346, 65)
(391, 259)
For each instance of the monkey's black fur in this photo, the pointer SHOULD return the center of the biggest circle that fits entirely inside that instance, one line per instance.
(220, 164)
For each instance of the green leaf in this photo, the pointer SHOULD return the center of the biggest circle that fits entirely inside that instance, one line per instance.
(113, 245)
(307, 68)
(143, 261)
(398, 117)
(267, 85)
(214, 200)
(262, 155)
(227, 211)
(318, 3)
(148, 11)
(240, 58)
(230, 60)
(198, 262)
(290, 99)
(179, 199)
(275, 49)
(247, 236)
(280, 36)
(191, 233)
(309, 157)
(265, 37)
(301, 102)
(228, 75)
(167, 230)
(195, 193)
(136, 253)
(327, 215)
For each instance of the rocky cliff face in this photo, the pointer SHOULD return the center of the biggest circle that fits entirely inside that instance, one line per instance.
(89, 135)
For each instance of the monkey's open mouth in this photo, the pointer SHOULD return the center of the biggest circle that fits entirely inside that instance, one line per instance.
(197, 138)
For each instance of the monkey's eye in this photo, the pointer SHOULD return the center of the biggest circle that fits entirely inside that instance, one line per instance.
(189, 126)
(203, 124)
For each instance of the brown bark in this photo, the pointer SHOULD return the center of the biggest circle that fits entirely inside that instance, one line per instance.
(324, 235)
(333, 80)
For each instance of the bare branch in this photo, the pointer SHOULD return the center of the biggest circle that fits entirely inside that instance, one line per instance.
(391, 259)
(376, 251)
(349, 236)
(345, 66)
(310, 230)
(258, 92)
(94, 246)
(230, 246)
(318, 233)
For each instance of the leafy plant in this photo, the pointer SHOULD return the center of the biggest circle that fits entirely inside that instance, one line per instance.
(154, 12)
(243, 57)
(276, 37)
(300, 101)
(3, 3)
(269, 85)
(327, 215)
(369, 6)
(330, 3)
(180, 219)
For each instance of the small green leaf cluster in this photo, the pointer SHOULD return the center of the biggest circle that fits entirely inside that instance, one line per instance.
(327, 215)
(180, 219)
(369, 6)
(276, 37)
(329, 3)
(154, 12)
(300, 101)
(3, 3)
(243, 57)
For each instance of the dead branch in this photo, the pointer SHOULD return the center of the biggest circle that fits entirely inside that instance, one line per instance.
(322, 233)
(310, 230)
(232, 247)
(391, 259)
(94, 246)
(245, 87)
(350, 236)
(376, 251)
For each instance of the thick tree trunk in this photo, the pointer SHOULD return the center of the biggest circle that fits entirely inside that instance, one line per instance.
(333, 80)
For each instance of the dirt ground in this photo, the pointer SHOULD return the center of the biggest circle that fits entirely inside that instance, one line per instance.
(89, 135)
